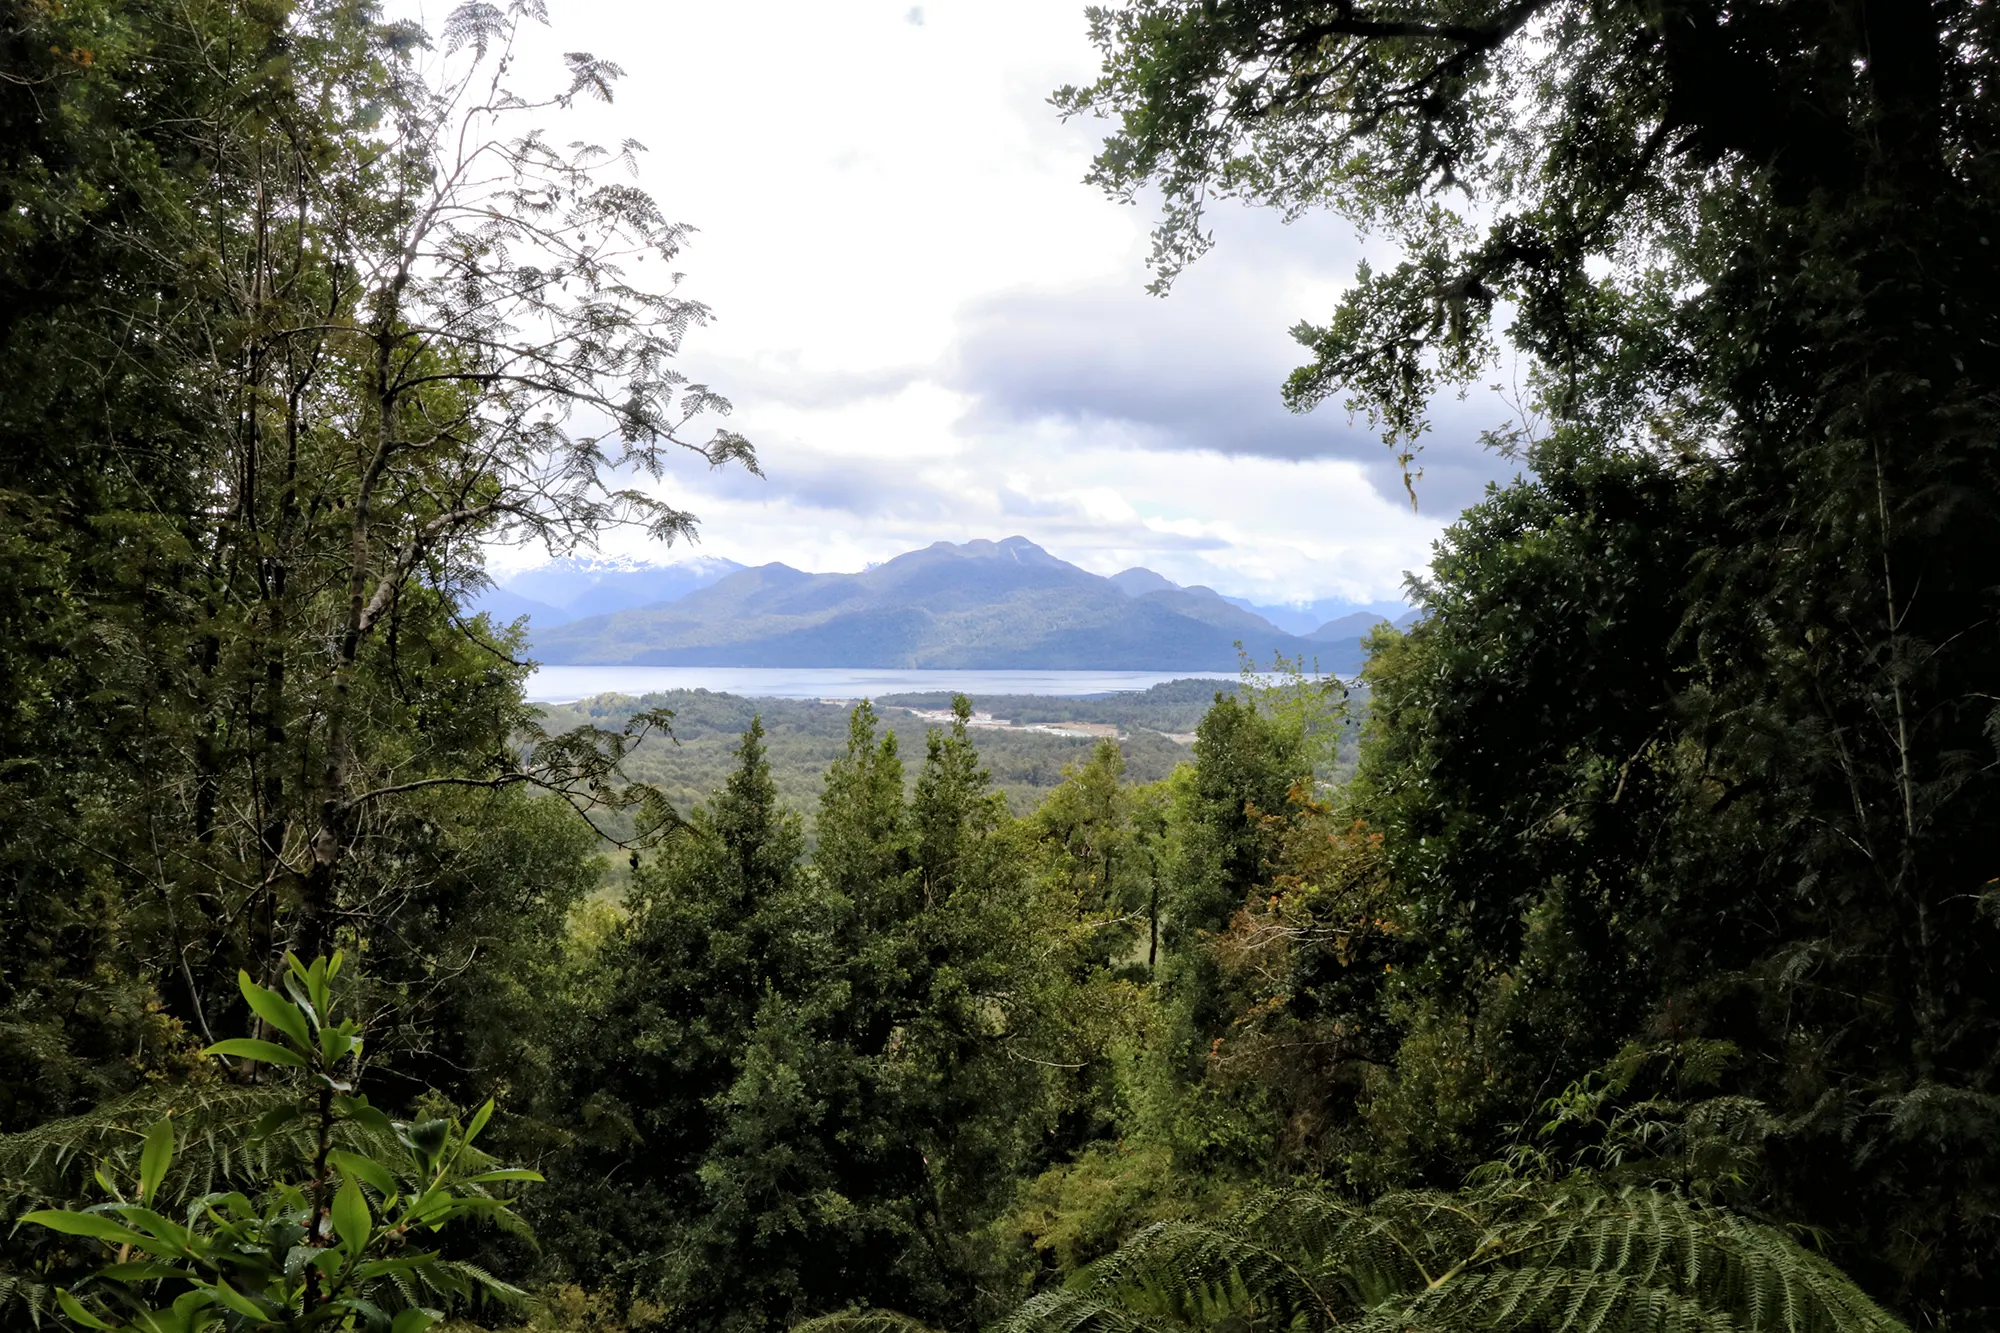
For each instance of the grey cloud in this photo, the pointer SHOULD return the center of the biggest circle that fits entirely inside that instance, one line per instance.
(886, 493)
(865, 488)
(1199, 369)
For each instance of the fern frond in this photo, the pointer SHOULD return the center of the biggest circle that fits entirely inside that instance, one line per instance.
(864, 1321)
(1574, 1257)
(1670, 1244)
(22, 1299)
(1066, 1311)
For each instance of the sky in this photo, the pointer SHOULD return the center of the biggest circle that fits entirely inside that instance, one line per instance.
(932, 329)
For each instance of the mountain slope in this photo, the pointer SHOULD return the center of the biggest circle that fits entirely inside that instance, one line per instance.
(983, 604)
(572, 589)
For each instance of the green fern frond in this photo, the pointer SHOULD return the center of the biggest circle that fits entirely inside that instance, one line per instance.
(1578, 1256)
(22, 1299)
(863, 1321)
(52, 1160)
(1065, 1311)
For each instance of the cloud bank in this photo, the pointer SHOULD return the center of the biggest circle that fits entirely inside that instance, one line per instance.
(933, 331)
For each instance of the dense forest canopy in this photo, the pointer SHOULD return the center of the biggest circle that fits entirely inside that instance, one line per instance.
(1634, 969)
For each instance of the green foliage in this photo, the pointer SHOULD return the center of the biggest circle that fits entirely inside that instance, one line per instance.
(1573, 1255)
(334, 1251)
(267, 400)
(1696, 740)
(805, 737)
(820, 1080)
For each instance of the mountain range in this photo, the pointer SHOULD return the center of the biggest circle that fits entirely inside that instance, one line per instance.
(980, 604)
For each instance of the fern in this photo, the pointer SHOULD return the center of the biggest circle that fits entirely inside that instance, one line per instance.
(52, 1162)
(22, 1298)
(863, 1321)
(1576, 1256)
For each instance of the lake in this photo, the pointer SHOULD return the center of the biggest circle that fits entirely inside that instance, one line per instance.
(562, 684)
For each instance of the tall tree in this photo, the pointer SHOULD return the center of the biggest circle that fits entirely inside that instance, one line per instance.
(1752, 246)
(309, 314)
(108, 415)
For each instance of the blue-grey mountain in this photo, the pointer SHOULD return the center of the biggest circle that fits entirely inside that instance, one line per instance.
(566, 590)
(983, 604)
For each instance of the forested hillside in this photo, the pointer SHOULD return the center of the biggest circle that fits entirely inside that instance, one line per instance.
(802, 737)
(1633, 967)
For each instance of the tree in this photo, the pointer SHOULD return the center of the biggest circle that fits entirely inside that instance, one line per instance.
(824, 1078)
(1094, 852)
(435, 343)
(321, 315)
(720, 925)
(1745, 255)
(106, 416)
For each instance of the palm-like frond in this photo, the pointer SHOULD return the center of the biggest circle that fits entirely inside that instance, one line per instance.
(1577, 1257)
(863, 1321)
(52, 1163)
(24, 1299)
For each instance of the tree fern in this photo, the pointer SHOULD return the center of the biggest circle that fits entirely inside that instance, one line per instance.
(863, 1321)
(1575, 1257)
(53, 1162)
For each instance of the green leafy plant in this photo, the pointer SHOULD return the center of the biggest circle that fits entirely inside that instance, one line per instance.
(1573, 1255)
(345, 1249)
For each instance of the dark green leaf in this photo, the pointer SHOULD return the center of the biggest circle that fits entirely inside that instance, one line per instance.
(249, 1048)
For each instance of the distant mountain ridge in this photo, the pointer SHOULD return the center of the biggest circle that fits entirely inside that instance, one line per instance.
(978, 605)
(572, 589)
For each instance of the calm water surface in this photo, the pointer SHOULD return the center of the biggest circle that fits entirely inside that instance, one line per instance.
(561, 684)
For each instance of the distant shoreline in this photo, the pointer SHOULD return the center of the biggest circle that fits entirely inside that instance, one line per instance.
(562, 683)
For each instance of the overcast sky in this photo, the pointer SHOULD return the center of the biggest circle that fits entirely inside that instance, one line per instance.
(933, 330)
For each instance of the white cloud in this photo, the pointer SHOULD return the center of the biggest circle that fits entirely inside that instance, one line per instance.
(933, 330)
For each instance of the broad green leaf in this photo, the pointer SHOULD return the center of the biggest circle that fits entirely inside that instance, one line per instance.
(276, 1010)
(238, 1302)
(412, 1321)
(479, 1119)
(361, 1113)
(188, 1305)
(430, 1136)
(94, 1225)
(154, 1159)
(276, 1119)
(351, 1220)
(74, 1309)
(367, 1170)
(249, 1048)
(504, 1173)
(334, 1044)
(316, 988)
(170, 1234)
(140, 1272)
(296, 989)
